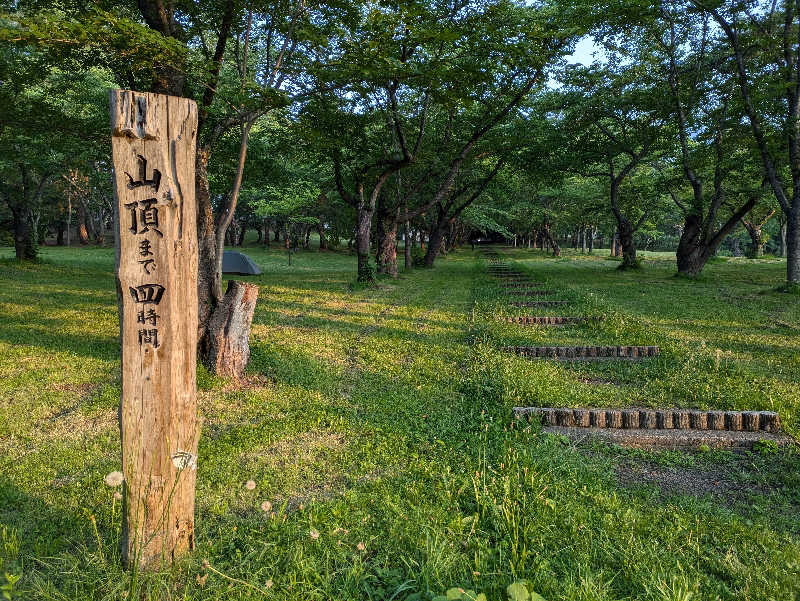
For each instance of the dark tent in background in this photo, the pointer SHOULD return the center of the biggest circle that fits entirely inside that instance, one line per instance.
(236, 262)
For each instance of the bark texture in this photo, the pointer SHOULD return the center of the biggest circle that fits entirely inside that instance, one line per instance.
(229, 330)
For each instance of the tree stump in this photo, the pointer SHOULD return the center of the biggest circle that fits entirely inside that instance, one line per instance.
(229, 330)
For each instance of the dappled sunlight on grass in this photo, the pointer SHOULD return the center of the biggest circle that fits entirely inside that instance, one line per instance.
(376, 425)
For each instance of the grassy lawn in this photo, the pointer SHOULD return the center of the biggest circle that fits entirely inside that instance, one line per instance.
(377, 426)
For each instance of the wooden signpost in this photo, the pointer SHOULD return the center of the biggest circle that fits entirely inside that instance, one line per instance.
(153, 143)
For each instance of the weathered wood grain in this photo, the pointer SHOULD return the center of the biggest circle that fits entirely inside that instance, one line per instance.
(153, 146)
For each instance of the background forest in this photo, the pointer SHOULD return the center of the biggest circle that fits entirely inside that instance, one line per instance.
(366, 123)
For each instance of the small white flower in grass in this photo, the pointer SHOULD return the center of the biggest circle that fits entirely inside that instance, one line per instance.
(268, 583)
(266, 506)
(114, 479)
(361, 546)
(250, 485)
(314, 533)
(118, 496)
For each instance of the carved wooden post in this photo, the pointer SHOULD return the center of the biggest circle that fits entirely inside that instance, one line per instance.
(153, 142)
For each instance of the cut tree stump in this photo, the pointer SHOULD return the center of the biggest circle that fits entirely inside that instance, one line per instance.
(229, 330)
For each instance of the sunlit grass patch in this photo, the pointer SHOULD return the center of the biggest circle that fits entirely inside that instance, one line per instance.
(375, 425)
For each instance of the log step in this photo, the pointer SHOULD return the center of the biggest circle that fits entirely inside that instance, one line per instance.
(556, 303)
(650, 419)
(546, 320)
(532, 292)
(587, 353)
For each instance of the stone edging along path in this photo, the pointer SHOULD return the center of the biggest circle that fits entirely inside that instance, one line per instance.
(658, 419)
(589, 353)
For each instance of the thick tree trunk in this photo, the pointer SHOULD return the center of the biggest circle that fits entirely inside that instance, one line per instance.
(692, 254)
(260, 233)
(60, 227)
(24, 246)
(757, 241)
(387, 246)
(229, 330)
(323, 241)
(551, 241)
(434, 244)
(628, 245)
(277, 232)
(363, 227)
(209, 290)
(793, 245)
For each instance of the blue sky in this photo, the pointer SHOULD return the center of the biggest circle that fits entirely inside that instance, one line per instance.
(583, 51)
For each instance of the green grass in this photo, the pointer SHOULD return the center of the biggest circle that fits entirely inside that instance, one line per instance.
(380, 418)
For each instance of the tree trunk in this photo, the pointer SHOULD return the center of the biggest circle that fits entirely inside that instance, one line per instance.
(60, 227)
(363, 227)
(323, 241)
(547, 236)
(83, 233)
(757, 241)
(692, 254)
(24, 246)
(387, 246)
(277, 232)
(260, 233)
(583, 239)
(229, 330)
(209, 290)
(266, 232)
(782, 238)
(793, 244)
(407, 246)
(242, 233)
(591, 240)
(628, 245)
(434, 244)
